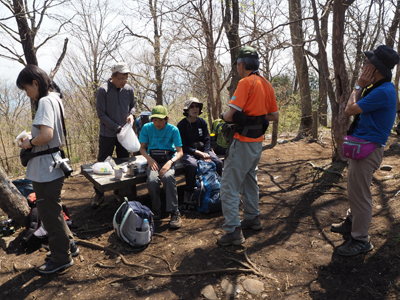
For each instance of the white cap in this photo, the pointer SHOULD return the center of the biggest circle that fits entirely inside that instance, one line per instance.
(120, 67)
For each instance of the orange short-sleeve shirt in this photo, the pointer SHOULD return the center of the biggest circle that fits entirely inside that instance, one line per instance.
(255, 97)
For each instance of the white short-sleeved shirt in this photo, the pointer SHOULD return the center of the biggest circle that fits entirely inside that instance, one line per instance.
(41, 168)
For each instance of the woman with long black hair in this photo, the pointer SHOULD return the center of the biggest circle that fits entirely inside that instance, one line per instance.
(47, 180)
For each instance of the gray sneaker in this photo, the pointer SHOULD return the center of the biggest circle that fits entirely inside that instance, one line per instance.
(254, 223)
(50, 267)
(175, 220)
(355, 247)
(343, 227)
(233, 238)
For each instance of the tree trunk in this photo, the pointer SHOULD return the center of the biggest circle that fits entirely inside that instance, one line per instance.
(340, 122)
(231, 24)
(27, 41)
(11, 200)
(391, 35)
(390, 39)
(157, 55)
(296, 32)
(323, 91)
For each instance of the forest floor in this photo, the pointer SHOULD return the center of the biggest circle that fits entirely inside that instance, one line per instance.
(294, 256)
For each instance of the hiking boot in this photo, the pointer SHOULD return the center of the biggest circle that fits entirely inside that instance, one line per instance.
(342, 227)
(50, 267)
(175, 220)
(233, 238)
(355, 247)
(157, 215)
(97, 200)
(73, 248)
(253, 223)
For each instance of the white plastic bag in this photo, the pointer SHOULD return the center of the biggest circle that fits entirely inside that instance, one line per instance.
(102, 168)
(128, 138)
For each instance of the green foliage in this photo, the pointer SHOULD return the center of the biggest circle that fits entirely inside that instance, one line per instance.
(289, 104)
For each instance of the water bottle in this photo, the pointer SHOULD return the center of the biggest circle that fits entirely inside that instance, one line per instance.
(145, 225)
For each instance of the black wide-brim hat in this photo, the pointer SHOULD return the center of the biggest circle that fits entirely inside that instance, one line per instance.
(384, 59)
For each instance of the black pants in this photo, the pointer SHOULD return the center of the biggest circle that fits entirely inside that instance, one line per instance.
(190, 163)
(106, 148)
(49, 205)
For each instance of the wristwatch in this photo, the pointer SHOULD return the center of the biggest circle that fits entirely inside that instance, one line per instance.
(357, 87)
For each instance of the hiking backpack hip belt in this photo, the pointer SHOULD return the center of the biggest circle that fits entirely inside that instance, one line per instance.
(254, 127)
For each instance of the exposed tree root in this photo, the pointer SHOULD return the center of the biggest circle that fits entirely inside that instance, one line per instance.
(249, 266)
(324, 169)
(98, 247)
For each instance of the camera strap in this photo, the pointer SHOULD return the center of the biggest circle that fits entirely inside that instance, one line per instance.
(64, 128)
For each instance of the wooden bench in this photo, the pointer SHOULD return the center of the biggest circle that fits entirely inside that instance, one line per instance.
(126, 186)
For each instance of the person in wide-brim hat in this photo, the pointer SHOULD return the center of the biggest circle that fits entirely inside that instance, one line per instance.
(196, 144)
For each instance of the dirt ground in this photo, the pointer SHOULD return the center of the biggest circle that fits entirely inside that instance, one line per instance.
(293, 256)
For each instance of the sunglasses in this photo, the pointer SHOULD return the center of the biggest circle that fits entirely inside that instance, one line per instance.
(194, 106)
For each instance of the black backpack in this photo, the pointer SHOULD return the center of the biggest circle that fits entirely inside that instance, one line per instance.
(36, 233)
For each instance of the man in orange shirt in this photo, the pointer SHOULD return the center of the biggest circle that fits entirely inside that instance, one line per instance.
(252, 106)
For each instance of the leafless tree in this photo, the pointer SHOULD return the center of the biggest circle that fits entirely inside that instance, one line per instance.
(297, 35)
(95, 39)
(161, 40)
(29, 18)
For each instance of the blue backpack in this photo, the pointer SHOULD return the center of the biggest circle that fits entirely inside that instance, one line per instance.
(208, 184)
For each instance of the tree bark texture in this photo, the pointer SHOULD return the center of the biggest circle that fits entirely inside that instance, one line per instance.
(27, 40)
(360, 45)
(391, 35)
(340, 122)
(157, 54)
(11, 200)
(231, 25)
(297, 35)
(212, 79)
(323, 91)
(390, 39)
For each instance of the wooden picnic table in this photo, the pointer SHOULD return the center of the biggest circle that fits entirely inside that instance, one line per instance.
(126, 186)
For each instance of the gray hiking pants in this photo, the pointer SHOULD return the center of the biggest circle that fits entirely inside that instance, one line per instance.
(359, 180)
(169, 184)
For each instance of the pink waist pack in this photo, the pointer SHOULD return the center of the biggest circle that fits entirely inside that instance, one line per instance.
(356, 148)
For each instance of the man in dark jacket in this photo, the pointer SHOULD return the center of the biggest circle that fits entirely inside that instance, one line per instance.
(115, 105)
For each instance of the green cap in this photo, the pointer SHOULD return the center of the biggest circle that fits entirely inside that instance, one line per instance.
(159, 111)
(247, 51)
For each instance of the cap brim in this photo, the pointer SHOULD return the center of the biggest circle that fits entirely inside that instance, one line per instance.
(125, 71)
(158, 116)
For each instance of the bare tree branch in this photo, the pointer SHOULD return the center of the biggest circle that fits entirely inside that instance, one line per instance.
(58, 64)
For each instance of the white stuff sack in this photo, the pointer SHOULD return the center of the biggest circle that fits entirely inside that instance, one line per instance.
(128, 139)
